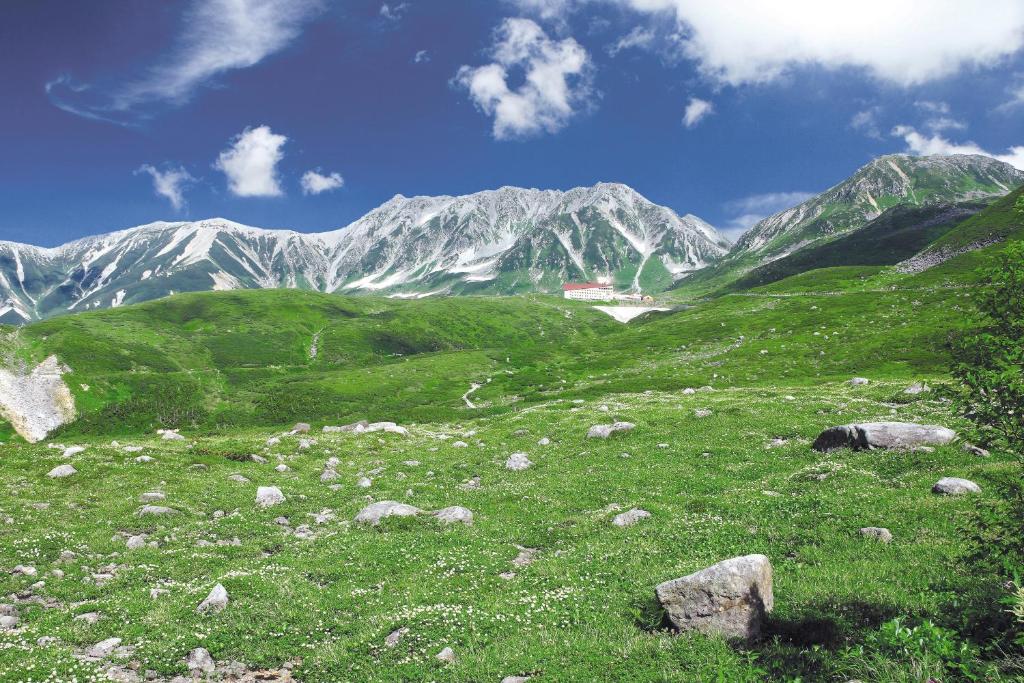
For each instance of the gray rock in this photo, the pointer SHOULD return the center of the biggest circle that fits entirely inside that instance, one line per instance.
(605, 431)
(878, 533)
(199, 660)
(730, 598)
(146, 510)
(460, 444)
(135, 542)
(954, 486)
(89, 617)
(916, 388)
(454, 515)
(8, 622)
(859, 381)
(239, 478)
(301, 428)
(364, 482)
(143, 459)
(169, 435)
(395, 636)
(976, 450)
(61, 471)
(373, 514)
(446, 655)
(258, 459)
(216, 601)
(152, 497)
(630, 517)
(268, 496)
(515, 679)
(103, 649)
(389, 427)
(882, 435)
(518, 462)
(328, 475)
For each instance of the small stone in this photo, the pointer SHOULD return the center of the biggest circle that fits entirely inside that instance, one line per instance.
(364, 483)
(24, 570)
(258, 459)
(152, 497)
(301, 428)
(459, 444)
(89, 617)
(8, 622)
(605, 431)
(916, 388)
(515, 679)
(61, 471)
(73, 450)
(878, 533)
(67, 556)
(104, 648)
(282, 468)
(702, 412)
(518, 462)
(446, 655)
(858, 381)
(169, 435)
(238, 478)
(143, 459)
(454, 515)
(373, 514)
(630, 517)
(135, 542)
(954, 486)
(199, 659)
(328, 475)
(689, 391)
(268, 496)
(146, 510)
(273, 441)
(544, 442)
(216, 601)
(395, 636)
(976, 450)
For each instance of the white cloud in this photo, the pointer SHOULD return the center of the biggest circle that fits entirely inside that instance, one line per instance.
(216, 36)
(314, 182)
(936, 145)
(251, 163)
(748, 211)
(545, 9)
(393, 12)
(866, 121)
(169, 183)
(556, 80)
(905, 42)
(639, 37)
(696, 111)
(420, 57)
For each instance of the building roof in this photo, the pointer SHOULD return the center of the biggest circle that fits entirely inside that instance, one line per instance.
(583, 285)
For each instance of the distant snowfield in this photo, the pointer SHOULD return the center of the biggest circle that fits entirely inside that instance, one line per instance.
(626, 313)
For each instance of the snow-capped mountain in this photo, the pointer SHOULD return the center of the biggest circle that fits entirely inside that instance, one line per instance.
(500, 241)
(890, 180)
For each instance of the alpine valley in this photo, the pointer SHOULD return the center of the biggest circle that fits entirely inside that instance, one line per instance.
(504, 241)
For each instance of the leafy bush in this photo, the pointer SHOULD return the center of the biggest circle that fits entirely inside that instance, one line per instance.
(989, 361)
(926, 652)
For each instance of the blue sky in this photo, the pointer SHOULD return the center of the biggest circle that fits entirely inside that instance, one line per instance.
(305, 114)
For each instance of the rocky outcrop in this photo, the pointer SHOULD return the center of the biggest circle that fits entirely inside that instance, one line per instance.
(37, 402)
(731, 598)
(883, 435)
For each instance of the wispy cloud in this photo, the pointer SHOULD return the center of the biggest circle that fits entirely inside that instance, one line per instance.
(250, 164)
(169, 183)
(937, 145)
(216, 36)
(556, 80)
(866, 121)
(696, 111)
(638, 37)
(314, 182)
(393, 12)
(421, 57)
(746, 212)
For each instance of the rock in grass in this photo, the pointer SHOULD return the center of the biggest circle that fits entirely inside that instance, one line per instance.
(268, 496)
(976, 450)
(199, 660)
(731, 598)
(103, 649)
(373, 514)
(454, 515)
(389, 427)
(151, 497)
(883, 435)
(605, 431)
(61, 471)
(877, 533)
(630, 517)
(328, 475)
(73, 450)
(157, 510)
(216, 601)
(170, 435)
(395, 636)
(446, 655)
(859, 381)
(460, 444)
(135, 542)
(301, 428)
(515, 679)
(241, 479)
(518, 462)
(8, 622)
(954, 486)
(916, 388)
(364, 482)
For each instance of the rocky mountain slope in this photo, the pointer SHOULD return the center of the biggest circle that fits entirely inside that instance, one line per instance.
(502, 241)
(891, 180)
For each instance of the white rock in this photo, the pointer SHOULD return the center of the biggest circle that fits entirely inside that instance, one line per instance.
(445, 655)
(630, 517)
(61, 471)
(199, 660)
(135, 542)
(373, 514)
(954, 486)
(152, 497)
(216, 601)
(364, 483)
(146, 510)
(171, 435)
(104, 648)
(268, 496)
(518, 462)
(544, 442)
(282, 468)
(605, 431)
(459, 444)
(73, 450)
(454, 515)
(142, 459)
(859, 381)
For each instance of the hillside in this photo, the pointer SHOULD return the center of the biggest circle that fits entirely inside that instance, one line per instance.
(505, 241)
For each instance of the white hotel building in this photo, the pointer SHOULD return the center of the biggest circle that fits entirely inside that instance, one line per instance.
(588, 291)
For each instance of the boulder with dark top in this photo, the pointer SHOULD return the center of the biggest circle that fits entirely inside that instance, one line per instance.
(883, 435)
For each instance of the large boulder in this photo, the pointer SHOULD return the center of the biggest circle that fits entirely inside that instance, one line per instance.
(730, 598)
(883, 435)
(268, 496)
(954, 486)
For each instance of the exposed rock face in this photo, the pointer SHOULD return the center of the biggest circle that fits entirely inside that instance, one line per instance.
(730, 598)
(373, 514)
(954, 486)
(38, 402)
(883, 435)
